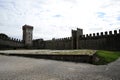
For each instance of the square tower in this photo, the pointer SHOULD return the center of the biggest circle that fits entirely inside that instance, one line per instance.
(76, 34)
(27, 35)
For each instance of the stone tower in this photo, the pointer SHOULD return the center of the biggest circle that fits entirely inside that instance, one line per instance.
(75, 38)
(27, 35)
(79, 33)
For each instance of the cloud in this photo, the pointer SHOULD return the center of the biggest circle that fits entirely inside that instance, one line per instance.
(118, 18)
(56, 18)
(58, 15)
(95, 30)
(101, 14)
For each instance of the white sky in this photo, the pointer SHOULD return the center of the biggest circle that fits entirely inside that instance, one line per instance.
(56, 18)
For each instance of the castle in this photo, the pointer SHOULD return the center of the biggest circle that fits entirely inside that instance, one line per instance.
(99, 41)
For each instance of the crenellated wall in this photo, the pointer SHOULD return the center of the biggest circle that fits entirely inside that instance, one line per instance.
(38, 44)
(10, 43)
(104, 40)
(62, 43)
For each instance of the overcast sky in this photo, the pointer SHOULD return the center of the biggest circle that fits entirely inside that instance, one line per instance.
(56, 18)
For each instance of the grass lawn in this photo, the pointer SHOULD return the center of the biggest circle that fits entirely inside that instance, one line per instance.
(106, 57)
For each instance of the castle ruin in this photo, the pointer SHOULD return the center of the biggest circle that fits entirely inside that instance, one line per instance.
(99, 41)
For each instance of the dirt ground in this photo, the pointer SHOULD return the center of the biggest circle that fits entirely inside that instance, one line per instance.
(19, 68)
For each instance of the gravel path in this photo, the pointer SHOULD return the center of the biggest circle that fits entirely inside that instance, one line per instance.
(19, 68)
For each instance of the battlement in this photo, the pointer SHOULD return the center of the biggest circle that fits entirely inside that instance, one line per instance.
(62, 39)
(11, 39)
(27, 27)
(15, 40)
(10, 43)
(101, 34)
(5, 37)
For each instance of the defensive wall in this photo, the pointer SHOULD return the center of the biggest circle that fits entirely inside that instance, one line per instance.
(10, 43)
(62, 43)
(104, 41)
(109, 40)
(101, 41)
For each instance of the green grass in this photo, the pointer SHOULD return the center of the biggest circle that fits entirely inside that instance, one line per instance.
(106, 57)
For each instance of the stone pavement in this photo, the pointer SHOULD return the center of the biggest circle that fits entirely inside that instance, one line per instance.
(21, 68)
(72, 52)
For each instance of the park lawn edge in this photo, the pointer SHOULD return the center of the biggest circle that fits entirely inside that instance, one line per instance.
(104, 57)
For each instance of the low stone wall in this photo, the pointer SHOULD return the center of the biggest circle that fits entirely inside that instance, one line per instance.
(71, 58)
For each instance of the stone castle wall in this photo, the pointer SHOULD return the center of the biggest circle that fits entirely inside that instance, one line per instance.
(10, 43)
(103, 41)
(62, 43)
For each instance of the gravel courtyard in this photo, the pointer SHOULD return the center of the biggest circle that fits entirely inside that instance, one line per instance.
(21, 68)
